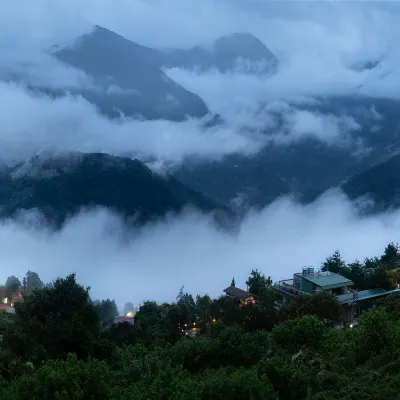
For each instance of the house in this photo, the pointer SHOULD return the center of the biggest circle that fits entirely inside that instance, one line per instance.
(308, 283)
(8, 303)
(241, 295)
(123, 318)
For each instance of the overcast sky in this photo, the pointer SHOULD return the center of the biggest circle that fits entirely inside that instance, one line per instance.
(316, 42)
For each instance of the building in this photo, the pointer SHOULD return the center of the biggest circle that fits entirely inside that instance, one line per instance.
(241, 295)
(309, 282)
(124, 318)
(8, 303)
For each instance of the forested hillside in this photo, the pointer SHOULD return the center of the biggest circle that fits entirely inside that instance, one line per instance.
(60, 187)
(60, 344)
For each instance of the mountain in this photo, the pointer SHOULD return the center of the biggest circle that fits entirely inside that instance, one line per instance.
(128, 78)
(380, 183)
(237, 51)
(60, 187)
(308, 166)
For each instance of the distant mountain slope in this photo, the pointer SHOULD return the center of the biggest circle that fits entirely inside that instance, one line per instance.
(227, 53)
(307, 167)
(381, 183)
(60, 187)
(129, 78)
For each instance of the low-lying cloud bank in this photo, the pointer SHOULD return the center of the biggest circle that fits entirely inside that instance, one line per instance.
(31, 123)
(156, 261)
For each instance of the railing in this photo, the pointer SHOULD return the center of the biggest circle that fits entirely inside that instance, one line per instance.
(289, 289)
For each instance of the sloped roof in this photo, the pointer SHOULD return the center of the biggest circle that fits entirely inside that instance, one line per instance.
(236, 292)
(328, 281)
(365, 294)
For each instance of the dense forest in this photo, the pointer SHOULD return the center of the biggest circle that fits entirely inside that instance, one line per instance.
(59, 344)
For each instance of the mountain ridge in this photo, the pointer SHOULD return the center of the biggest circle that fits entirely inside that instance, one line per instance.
(59, 187)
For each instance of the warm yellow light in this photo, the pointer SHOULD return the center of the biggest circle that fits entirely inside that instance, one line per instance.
(130, 314)
(185, 324)
(194, 323)
(5, 300)
(351, 325)
(213, 319)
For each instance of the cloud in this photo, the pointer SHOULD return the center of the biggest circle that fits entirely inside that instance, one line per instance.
(191, 251)
(32, 123)
(316, 43)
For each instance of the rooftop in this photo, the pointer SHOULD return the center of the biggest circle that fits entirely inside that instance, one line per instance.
(326, 280)
(123, 318)
(365, 295)
(236, 292)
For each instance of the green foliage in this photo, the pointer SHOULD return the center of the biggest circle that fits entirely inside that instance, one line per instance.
(63, 380)
(106, 310)
(322, 305)
(50, 323)
(12, 285)
(54, 346)
(334, 263)
(292, 335)
(31, 282)
(257, 283)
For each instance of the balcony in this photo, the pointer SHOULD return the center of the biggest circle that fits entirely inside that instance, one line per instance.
(286, 288)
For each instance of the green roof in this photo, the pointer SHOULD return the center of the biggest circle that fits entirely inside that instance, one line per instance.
(328, 281)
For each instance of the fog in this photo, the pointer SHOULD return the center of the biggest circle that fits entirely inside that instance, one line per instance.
(319, 45)
(189, 250)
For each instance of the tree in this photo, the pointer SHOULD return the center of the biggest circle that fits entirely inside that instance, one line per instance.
(52, 322)
(322, 305)
(31, 282)
(257, 283)
(63, 379)
(151, 323)
(294, 334)
(391, 258)
(107, 311)
(186, 301)
(233, 283)
(334, 263)
(13, 284)
(380, 279)
(357, 275)
(203, 307)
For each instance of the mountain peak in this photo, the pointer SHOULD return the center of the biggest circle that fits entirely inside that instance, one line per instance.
(239, 51)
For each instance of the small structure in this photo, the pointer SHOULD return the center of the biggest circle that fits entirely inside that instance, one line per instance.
(7, 303)
(241, 295)
(122, 318)
(309, 282)
(191, 332)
